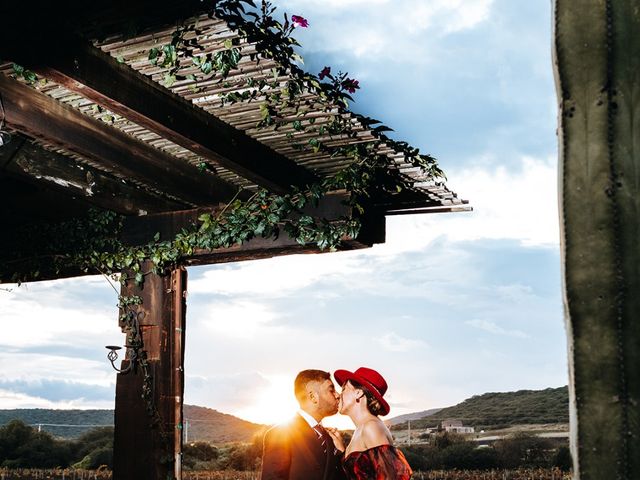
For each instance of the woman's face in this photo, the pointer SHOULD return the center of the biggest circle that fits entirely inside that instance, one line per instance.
(348, 397)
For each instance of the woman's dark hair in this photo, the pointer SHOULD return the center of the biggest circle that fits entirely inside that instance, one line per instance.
(373, 405)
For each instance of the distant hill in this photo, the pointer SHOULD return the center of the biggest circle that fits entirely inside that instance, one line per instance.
(61, 423)
(500, 410)
(411, 416)
(205, 424)
(208, 425)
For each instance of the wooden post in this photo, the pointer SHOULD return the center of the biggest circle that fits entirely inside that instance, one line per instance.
(597, 66)
(149, 446)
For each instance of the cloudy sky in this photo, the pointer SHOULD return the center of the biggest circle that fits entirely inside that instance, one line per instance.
(451, 306)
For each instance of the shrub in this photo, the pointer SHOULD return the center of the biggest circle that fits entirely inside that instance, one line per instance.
(524, 449)
(562, 459)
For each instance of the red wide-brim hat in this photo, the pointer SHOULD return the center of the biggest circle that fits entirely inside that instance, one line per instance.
(369, 378)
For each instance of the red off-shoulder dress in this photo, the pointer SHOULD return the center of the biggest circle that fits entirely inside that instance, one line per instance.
(384, 462)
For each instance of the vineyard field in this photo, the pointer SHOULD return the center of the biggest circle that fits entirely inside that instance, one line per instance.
(73, 474)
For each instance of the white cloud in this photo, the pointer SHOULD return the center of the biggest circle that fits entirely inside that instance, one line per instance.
(224, 391)
(395, 343)
(401, 30)
(514, 293)
(274, 277)
(57, 312)
(38, 366)
(238, 318)
(381, 270)
(48, 330)
(333, 5)
(11, 400)
(520, 205)
(492, 327)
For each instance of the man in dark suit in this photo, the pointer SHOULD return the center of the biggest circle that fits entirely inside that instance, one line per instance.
(302, 449)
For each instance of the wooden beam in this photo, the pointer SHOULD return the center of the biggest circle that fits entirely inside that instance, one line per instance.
(138, 230)
(21, 203)
(148, 436)
(86, 70)
(38, 115)
(414, 201)
(84, 183)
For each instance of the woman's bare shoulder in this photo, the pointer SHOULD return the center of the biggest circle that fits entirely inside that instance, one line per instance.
(375, 433)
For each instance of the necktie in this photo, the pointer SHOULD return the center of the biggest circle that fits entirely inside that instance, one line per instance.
(322, 434)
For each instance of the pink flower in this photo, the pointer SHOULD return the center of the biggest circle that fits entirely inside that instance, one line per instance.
(299, 21)
(350, 85)
(326, 71)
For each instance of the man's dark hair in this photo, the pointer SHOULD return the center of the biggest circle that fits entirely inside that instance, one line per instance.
(306, 376)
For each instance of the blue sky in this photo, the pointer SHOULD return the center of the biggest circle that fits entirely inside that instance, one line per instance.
(451, 306)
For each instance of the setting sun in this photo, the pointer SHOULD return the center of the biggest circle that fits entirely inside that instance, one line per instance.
(275, 403)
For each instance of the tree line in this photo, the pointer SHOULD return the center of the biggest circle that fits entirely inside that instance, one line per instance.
(447, 451)
(21, 446)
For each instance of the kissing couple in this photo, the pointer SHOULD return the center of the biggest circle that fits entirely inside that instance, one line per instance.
(303, 449)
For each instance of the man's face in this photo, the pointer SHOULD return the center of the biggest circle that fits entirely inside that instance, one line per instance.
(327, 398)
(348, 397)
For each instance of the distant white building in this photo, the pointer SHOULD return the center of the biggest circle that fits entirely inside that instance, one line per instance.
(455, 426)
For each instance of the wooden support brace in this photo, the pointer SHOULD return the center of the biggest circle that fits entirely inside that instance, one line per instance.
(63, 174)
(40, 116)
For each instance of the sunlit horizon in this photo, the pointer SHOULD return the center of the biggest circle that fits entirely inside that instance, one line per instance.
(276, 404)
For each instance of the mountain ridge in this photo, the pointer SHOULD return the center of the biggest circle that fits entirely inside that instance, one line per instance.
(493, 410)
(412, 416)
(204, 424)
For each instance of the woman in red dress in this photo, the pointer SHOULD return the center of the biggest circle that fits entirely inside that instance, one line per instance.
(370, 455)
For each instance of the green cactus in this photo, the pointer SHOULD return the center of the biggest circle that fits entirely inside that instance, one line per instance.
(597, 66)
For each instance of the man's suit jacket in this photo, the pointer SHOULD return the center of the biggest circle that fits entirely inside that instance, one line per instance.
(293, 451)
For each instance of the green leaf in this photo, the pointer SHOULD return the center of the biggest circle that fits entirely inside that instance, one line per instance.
(169, 80)
(29, 76)
(17, 69)
(153, 55)
(206, 67)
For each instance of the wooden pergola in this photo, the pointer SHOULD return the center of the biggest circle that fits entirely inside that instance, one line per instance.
(102, 127)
